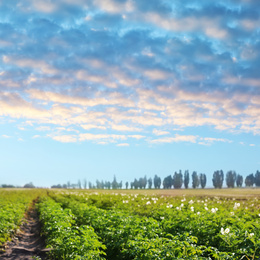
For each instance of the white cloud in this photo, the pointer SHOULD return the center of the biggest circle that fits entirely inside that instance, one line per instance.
(90, 126)
(97, 137)
(160, 132)
(176, 139)
(115, 6)
(40, 65)
(65, 138)
(210, 26)
(36, 136)
(123, 145)
(212, 140)
(45, 6)
(156, 74)
(125, 128)
(6, 136)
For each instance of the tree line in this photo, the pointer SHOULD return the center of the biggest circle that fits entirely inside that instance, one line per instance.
(177, 181)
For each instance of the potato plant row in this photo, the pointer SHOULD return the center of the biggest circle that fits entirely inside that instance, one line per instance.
(222, 228)
(66, 239)
(13, 205)
(129, 236)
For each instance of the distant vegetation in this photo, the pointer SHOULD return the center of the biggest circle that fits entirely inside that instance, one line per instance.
(177, 181)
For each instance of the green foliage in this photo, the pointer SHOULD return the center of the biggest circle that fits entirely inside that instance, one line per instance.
(186, 179)
(257, 178)
(151, 227)
(195, 180)
(13, 205)
(250, 180)
(68, 240)
(177, 180)
(81, 225)
(218, 178)
(203, 180)
(231, 179)
(157, 182)
(167, 182)
(239, 180)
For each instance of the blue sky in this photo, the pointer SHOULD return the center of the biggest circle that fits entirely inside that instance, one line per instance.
(93, 89)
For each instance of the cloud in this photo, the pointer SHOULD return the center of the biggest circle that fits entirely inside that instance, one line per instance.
(211, 140)
(115, 69)
(115, 6)
(6, 136)
(110, 99)
(160, 132)
(176, 139)
(34, 64)
(101, 137)
(125, 128)
(123, 145)
(65, 138)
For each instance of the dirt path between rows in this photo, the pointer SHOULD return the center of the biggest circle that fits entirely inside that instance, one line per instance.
(27, 244)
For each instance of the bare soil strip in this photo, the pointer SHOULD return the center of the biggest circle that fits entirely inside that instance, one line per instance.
(28, 242)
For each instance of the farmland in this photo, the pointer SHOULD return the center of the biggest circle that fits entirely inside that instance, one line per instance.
(147, 224)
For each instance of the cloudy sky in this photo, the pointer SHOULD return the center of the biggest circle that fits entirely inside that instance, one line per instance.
(93, 88)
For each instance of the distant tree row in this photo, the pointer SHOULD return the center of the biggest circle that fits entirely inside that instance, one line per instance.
(233, 179)
(27, 185)
(176, 181)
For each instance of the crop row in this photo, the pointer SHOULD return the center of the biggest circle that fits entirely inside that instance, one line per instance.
(13, 205)
(67, 240)
(129, 236)
(219, 225)
(80, 225)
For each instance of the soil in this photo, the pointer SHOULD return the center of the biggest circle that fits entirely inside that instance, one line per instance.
(27, 243)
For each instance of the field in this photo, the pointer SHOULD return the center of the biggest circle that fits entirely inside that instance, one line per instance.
(145, 224)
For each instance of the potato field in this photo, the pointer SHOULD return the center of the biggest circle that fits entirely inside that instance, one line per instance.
(91, 225)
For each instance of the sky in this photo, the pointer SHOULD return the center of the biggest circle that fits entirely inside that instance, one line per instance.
(93, 89)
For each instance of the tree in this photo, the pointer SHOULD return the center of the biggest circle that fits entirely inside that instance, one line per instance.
(79, 184)
(150, 183)
(114, 183)
(250, 180)
(29, 185)
(257, 178)
(167, 182)
(85, 184)
(186, 179)
(177, 180)
(231, 179)
(7, 186)
(218, 178)
(203, 180)
(126, 185)
(157, 182)
(98, 184)
(142, 182)
(195, 180)
(136, 183)
(239, 180)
